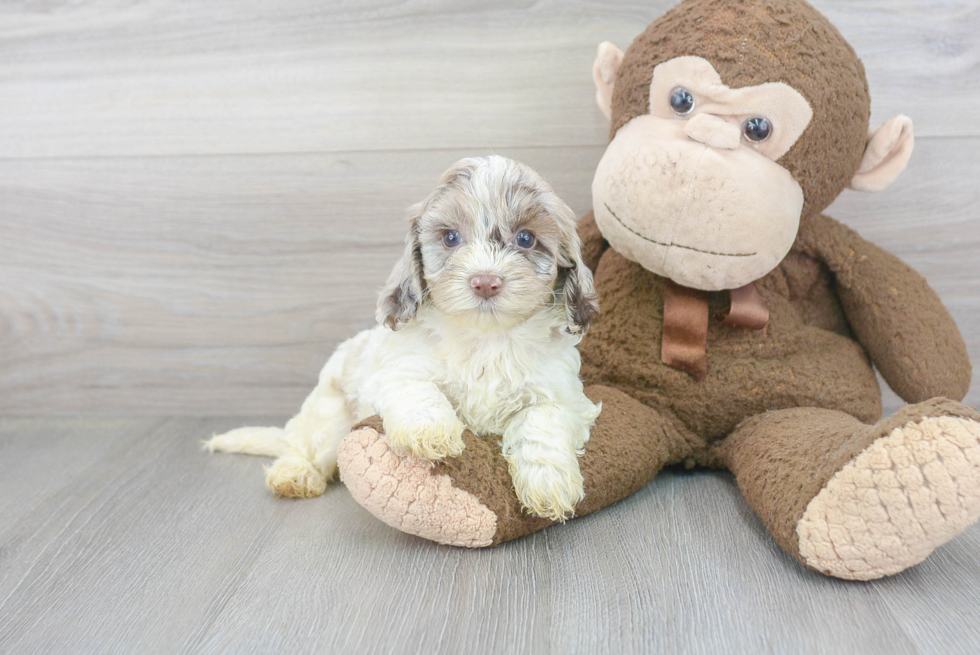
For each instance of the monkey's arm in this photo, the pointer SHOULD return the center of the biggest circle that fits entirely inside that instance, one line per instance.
(593, 245)
(894, 313)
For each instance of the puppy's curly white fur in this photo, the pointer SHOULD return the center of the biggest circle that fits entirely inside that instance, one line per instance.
(479, 323)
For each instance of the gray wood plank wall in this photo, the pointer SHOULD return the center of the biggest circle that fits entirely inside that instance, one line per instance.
(199, 200)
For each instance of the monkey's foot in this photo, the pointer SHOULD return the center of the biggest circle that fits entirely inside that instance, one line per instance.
(907, 493)
(407, 493)
(470, 500)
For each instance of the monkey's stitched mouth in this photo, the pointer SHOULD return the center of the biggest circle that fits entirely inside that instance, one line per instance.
(678, 245)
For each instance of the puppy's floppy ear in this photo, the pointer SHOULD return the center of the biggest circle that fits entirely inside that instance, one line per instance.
(575, 278)
(581, 301)
(402, 294)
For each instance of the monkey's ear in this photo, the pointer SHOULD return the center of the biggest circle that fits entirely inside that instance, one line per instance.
(402, 294)
(888, 152)
(604, 70)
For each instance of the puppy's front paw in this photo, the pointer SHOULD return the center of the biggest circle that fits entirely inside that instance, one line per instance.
(550, 490)
(429, 435)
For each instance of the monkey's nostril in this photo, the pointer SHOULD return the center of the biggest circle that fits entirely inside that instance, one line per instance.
(486, 286)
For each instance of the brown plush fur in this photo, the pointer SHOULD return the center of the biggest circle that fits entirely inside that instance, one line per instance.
(783, 459)
(893, 312)
(790, 363)
(786, 407)
(629, 432)
(751, 42)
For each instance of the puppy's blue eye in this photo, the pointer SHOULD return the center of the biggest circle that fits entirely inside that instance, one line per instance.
(524, 239)
(452, 238)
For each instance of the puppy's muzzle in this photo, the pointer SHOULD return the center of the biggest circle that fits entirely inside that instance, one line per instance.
(486, 286)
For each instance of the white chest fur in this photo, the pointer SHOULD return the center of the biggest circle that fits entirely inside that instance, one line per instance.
(489, 376)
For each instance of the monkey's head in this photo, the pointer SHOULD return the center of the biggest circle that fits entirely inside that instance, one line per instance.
(732, 121)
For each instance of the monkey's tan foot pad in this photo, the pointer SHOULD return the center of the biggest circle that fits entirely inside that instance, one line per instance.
(907, 493)
(404, 492)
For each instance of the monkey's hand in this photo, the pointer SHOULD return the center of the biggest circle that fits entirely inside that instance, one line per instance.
(894, 313)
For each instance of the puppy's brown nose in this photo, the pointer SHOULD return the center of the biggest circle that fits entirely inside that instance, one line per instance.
(486, 286)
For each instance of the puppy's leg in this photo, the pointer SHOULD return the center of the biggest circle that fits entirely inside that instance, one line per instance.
(542, 445)
(309, 459)
(418, 418)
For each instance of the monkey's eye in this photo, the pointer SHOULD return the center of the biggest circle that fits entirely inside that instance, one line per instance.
(524, 239)
(757, 129)
(681, 101)
(452, 239)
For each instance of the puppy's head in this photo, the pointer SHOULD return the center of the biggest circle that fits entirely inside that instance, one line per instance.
(492, 246)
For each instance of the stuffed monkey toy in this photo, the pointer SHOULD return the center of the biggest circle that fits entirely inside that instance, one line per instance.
(739, 325)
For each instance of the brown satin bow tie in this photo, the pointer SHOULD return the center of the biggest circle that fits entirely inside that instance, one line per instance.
(685, 339)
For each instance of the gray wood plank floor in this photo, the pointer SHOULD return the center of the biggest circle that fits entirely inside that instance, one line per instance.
(120, 535)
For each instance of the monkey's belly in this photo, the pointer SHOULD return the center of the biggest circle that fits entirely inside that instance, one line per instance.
(789, 364)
